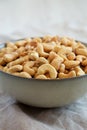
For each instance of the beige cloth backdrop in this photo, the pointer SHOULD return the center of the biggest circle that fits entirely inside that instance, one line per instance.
(22, 18)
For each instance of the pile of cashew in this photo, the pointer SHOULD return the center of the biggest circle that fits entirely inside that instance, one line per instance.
(44, 58)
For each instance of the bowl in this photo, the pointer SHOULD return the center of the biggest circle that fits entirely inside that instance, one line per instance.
(43, 93)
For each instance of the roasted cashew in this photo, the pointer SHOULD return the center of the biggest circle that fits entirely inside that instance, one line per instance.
(85, 69)
(79, 71)
(28, 67)
(56, 62)
(40, 61)
(15, 68)
(23, 74)
(80, 58)
(84, 62)
(10, 57)
(11, 45)
(33, 55)
(41, 52)
(81, 51)
(71, 56)
(62, 68)
(52, 55)
(21, 60)
(71, 64)
(20, 43)
(69, 75)
(47, 68)
(49, 46)
(41, 77)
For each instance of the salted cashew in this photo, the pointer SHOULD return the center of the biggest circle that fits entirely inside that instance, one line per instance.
(41, 52)
(69, 75)
(41, 77)
(15, 68)
(56, 62)
(62, 68)
(20, 60)
(28, 67)
(79, 71)
(71, 64)
(71, 56)
(47, 68)
(81, 51)
(10, 57)
(33, 55)
(80, 58)
(84, 62)
(20, 43)
(22, 74)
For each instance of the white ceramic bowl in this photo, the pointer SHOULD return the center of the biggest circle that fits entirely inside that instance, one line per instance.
(44, 93)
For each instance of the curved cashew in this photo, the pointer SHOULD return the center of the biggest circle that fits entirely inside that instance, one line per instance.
(79, 71)
(10, 57)
(23, 74)
(56, 62)
(52, 55)
(71, 64)
(49, 46)
(40, 61)
(80, 58)
(69, 75)
(84, 62)
(71, 56)
(41, 77)
(62, 68)
(33, 55)
(47, 68)
(41, 52)
(2, 61)
(15, 68)
(21, 60)
(81, 51)
(11, 45)
(28, 67)
(20, 43)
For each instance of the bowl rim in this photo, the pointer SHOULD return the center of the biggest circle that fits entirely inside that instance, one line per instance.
(60, 80)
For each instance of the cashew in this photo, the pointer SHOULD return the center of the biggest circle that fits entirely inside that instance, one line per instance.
(47, 68)
(52, 55)
(40, 61)
(28, 67)
(15, 68)
(1, 67)
(20, 43)
(62, 68)
(71, 56)
(69, 75)
(11, 45)
(10, 57)
(84, 62)
(85, 69)
(21, 60)
(23, 74)
(79, 71)
(71, 64)
(33, 55)
(57, 62)
(41, 77)
(80, 58)
(41, 52)
(81, 51)
(49, 46)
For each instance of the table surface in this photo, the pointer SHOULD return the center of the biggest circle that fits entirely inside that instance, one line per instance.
(23, 18)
